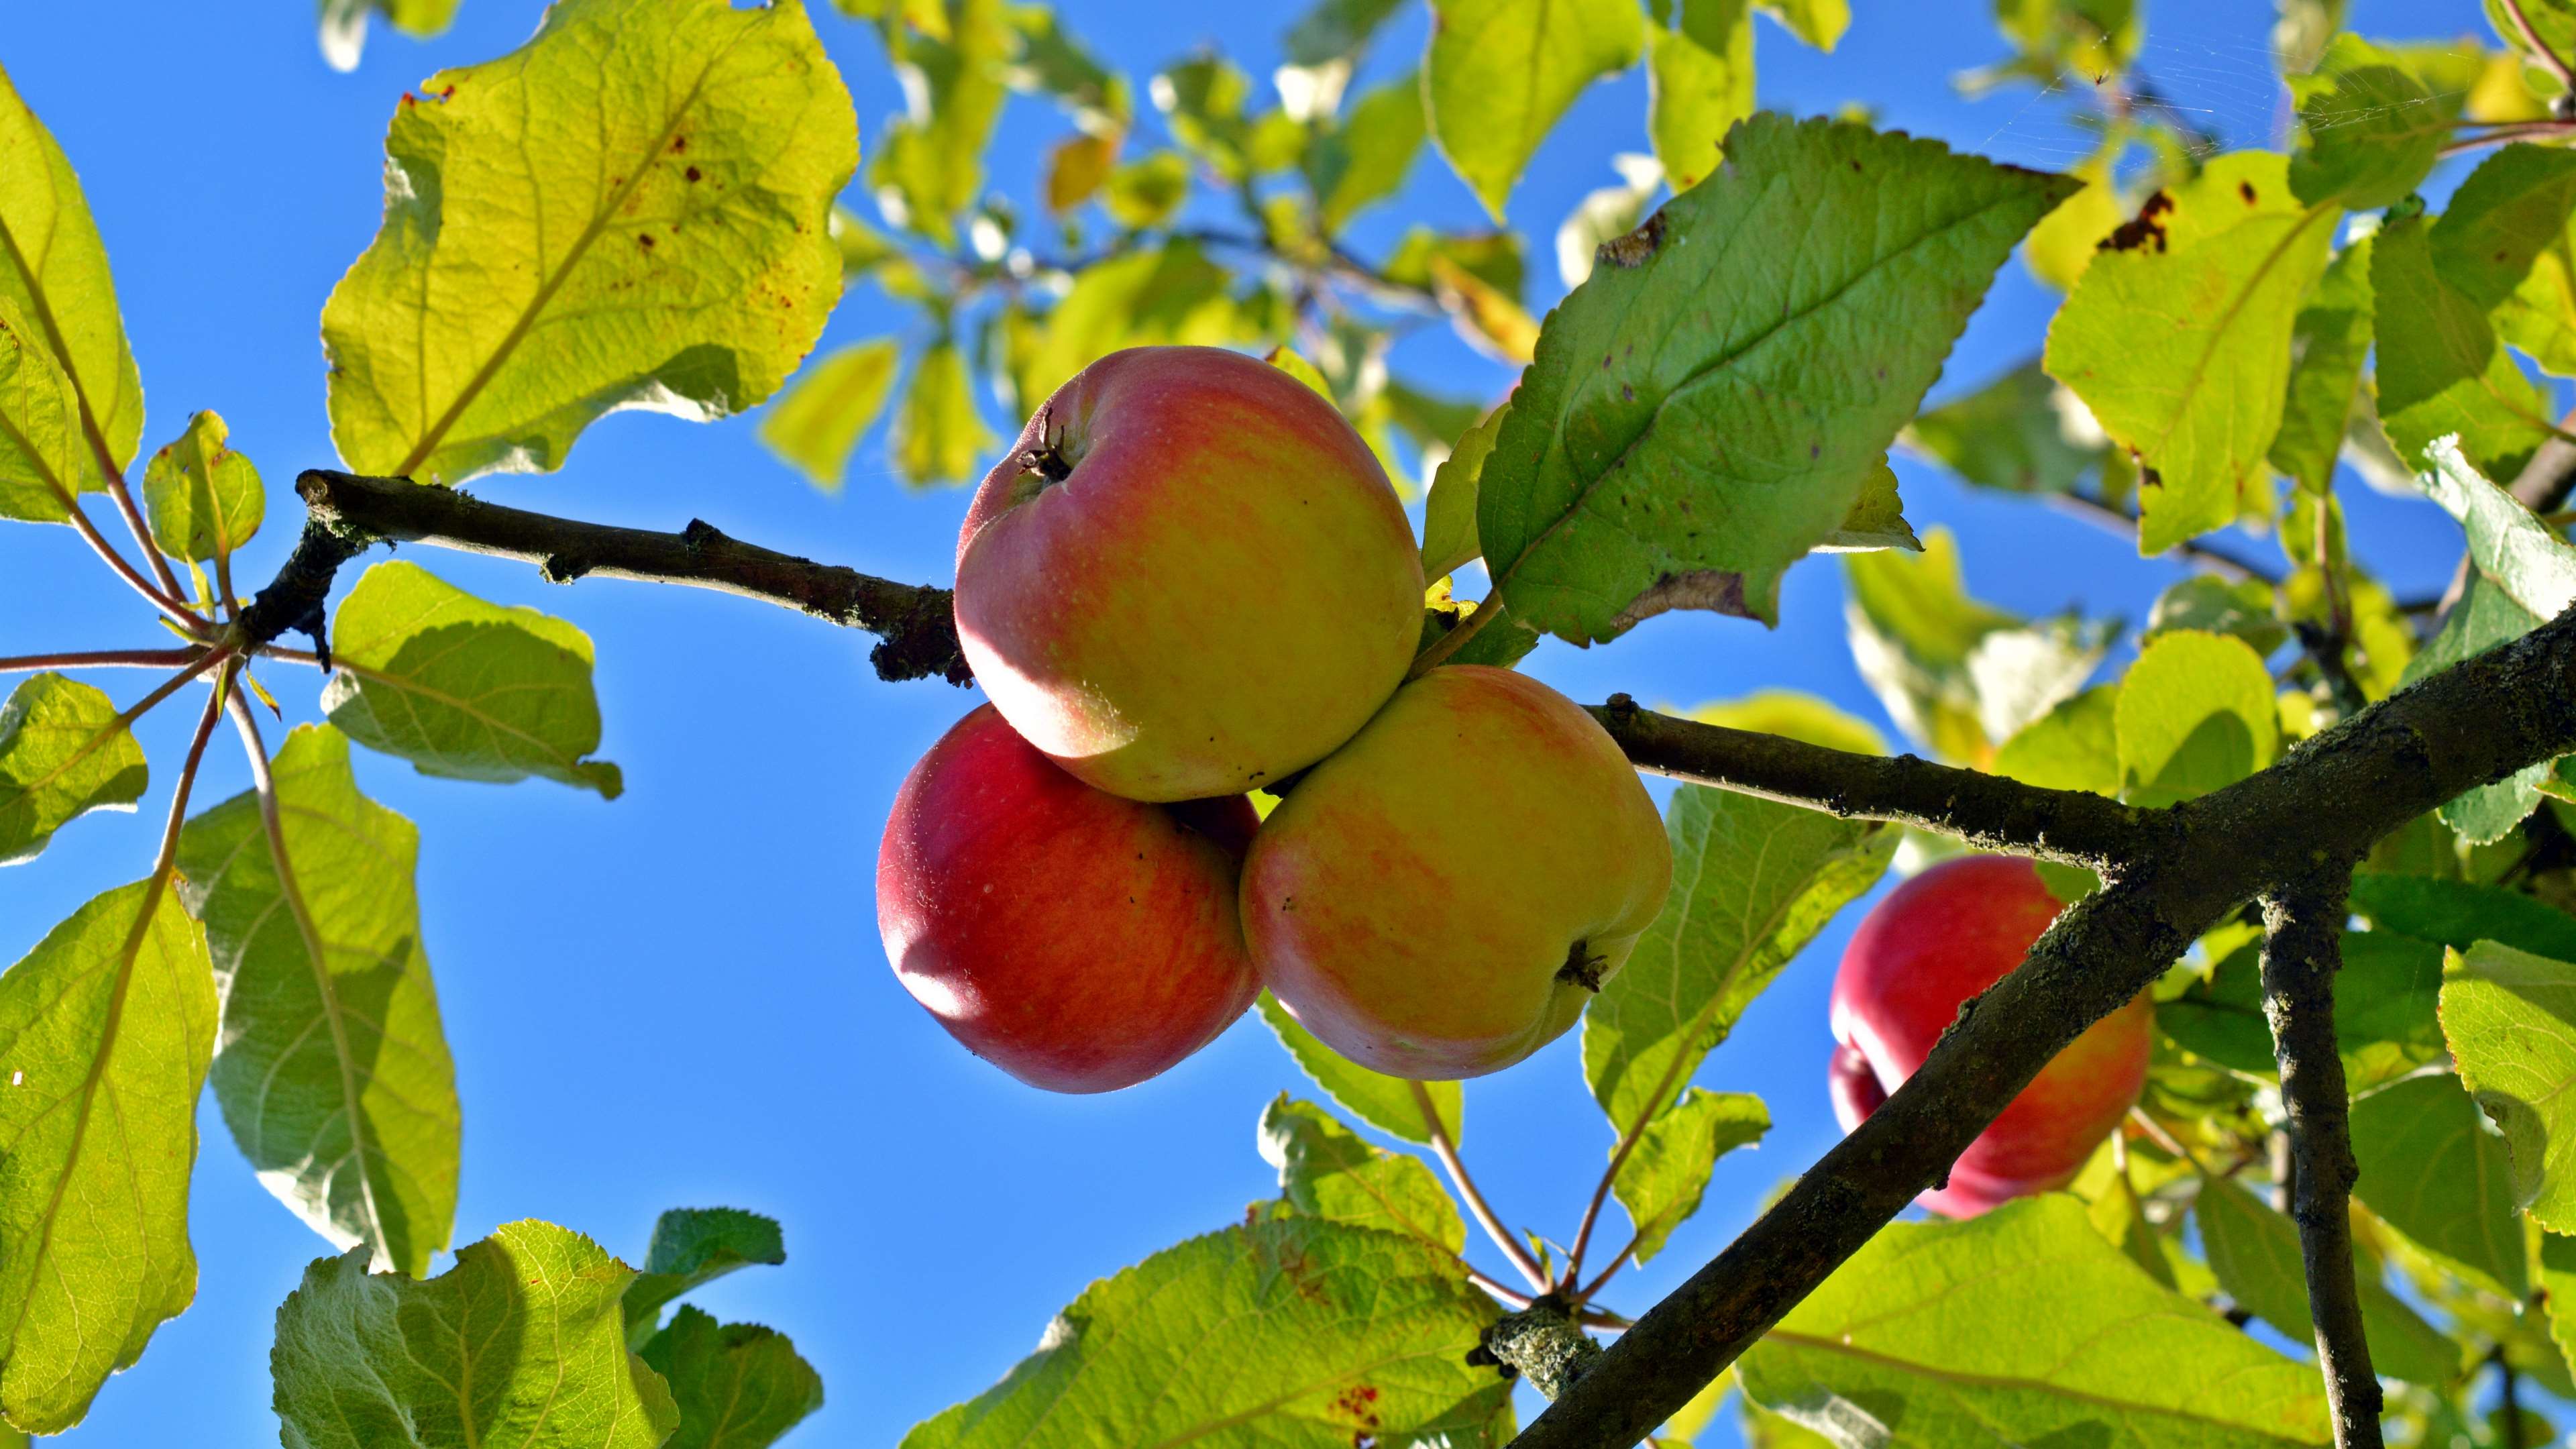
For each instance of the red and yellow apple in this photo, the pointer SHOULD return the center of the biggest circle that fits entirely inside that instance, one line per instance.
(1935, 941)
(1079, 941)
(1443, 895)
(1189, 578)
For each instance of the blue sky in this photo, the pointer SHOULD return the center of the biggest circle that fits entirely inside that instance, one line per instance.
(678, 998)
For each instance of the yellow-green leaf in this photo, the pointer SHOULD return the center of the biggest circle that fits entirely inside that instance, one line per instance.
(41, 467)
(939, 434)
(815, 423)
(930, 165)
(1328, 1171)
(105, 1029)
(1500, 73)
(204, 499)
(2063, 244)
(64, 751)
(1385, 1103)
(2510, 1020)
(646, 226)
(1699, 83)
(1661, 1182)
(53, 271)
(2178, 338)
(334, 1074)
(1796, 716)
(2195, 713)
(344, 24)
(462, 688)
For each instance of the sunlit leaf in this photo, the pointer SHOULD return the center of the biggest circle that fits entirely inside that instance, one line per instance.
(1366, 158)
(2328, 345)
(1500, 73)
(2075, 746)
(1327, 1333)
(2239, 608)
(1147, 192)
(1700, 83)
(2371, 129)
(694, 1246)
(518, 1346)
(1330, 1172)
(63, 753)
(2433, 1169)
(1797, 716)
(462, 688)
(647, 226)
(105, 1028)
(1807, 295)
(2016, 433)
(938, 434)
(1819, 23)
(2510, 1019)
(54, 276)
(2178, 338)
(1661, 1182)
(1171, 294)
(344, 24)
(2255, 1253)
(2195, 714)
(2066, 240)
(203, 497)
(42, 461)
(1753, 882)
(817, 421)
(2458, 913)
(737, 1385)
(1385, 1103)
(1904, 1333)
(930, 164)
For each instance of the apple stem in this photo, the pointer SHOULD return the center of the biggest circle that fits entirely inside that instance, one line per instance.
(1487, 610)
(1447, 1152)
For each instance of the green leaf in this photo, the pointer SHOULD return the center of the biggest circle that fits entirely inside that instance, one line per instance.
(2075, 746)
(334, 1073)
(1146, 192)
(2013, 434)
(2065, 241)
(1753, 882)
(2179, 338)
(1336, 30)
(2195, 713)
(646, 225)
(2255, 1253)
(2371, 130)
(1328, 1171)
(738, 1386)
(1500, 73)
(519, 1346)
(2523, 556)
(1385, 1103)
(2558, 1280)
(1699, 84)
(42, 465)
(1204, 99)
(2484, 617)
(1833, 268)
(939, 434)
(1449, 515)
(1819, 23)
(1661, 1183)
(204, 499)
(1172, 294)
(2385, 1021)
(2510, 1019)
(1326, 1333)
(461, 688)
(2238, 608)
(54, 278)
(2459, 914)
(2327, 346)
(64, 752)
(815, 423)
(1367, 158)
(695, 1246)
(1052, 61)
(930, 164)
(1905, 1334)
(1953, 672)
(344, 24)
(2441, 369)
(2434, 1170)
(105, 1029)
(1797, 716)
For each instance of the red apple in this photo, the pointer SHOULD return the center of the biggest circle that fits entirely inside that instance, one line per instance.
(1444, 894)
(1078, 941)
(1189, 578)
(1937, 940)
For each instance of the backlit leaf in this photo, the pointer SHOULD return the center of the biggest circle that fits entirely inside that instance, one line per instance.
(1366, 158)
(203, 497)
(2075, 746)
(2371, 129)
(2441, 367)
(737, 1385)
(1808, 294)
(2013, 433)
(105, 1028)
(2328, 344)
(1796, 716)
(2195, 714)
(2385, 1020)
(42, 462)
(2459, 914)
(930, 165)
(54, 277)
(815, 423)
(2510, 1019)
(462, 688)
(1661, 1182)
(332, 1070)
(646, 225)
(1700, 83)
(1385, 1103)
(1170, 294)
(2433, 1169)
(938, 435)
(1500, 73)
(1330, 1172)
(63, 753)
(2255, 1253)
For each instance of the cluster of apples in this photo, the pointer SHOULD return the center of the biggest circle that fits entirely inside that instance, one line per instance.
(1188, 580)
(1935, 941)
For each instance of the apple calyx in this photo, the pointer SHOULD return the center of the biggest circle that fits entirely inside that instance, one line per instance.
(1583, 966)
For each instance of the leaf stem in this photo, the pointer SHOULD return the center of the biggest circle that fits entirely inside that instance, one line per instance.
(1487, 610)
(2549, 59)
(124, 498)
(2512, 131)
(169, 604)
(102, 659)
(1447, 1152)
(1585, 1294)
(1619, 1155)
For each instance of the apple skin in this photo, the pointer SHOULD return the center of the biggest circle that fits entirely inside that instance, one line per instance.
(1416, 898)
(1935, 941)
(1220, 591)
(1078, 941)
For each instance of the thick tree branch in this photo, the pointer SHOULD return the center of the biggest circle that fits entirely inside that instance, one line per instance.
(2302, 950)
(2475, 723)
(346, 512)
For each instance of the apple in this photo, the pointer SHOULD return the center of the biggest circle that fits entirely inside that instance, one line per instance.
(1189, 578)
(1443, 895)
(1935, 941)
(1079, 941)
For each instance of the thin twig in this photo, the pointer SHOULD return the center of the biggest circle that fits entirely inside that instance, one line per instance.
(2302, 950)
(2549, 59)
(102, 659)
(1447, 1152)
(2119, 520)
(2516, 131)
